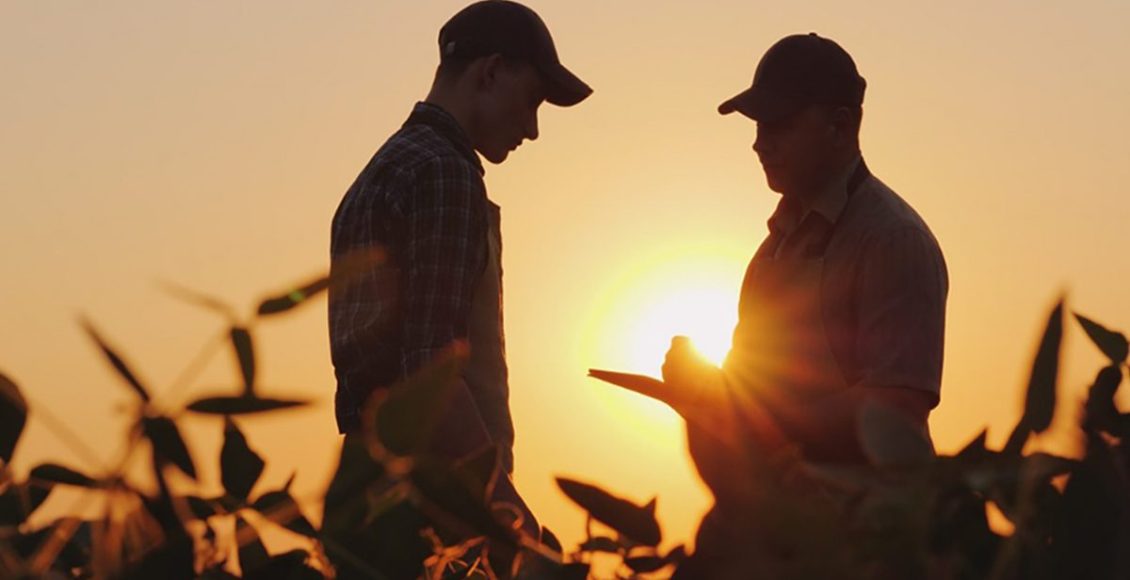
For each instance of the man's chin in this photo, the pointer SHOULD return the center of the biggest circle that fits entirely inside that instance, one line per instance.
(496, 157)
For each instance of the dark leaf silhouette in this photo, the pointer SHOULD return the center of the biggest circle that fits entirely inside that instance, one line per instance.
(203, 508)
(292, 298)
(13, 417)
(346, 503)
(280, 507)
(645, 564)
(448, 490)
(890, 439)
(601, 544)
(631, 520)
(677, 554)
(1112, 343)
(550, 540)
(168, 443)
(52, 473)
(1101, 411)
(245, 354)
(975, 450)
(1039, 405)
(406, 417)
(575, 571)
(287, 566)
(481, 471)
(117, 362)
(240, 466)
(199, 299)
(253, 555)
(19, 501)
(241, 405)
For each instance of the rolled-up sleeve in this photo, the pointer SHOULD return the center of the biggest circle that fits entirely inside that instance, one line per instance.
(444, 256)
(902, 288)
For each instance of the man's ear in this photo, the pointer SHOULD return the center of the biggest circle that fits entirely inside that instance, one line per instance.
(845, 123)
(488, 70)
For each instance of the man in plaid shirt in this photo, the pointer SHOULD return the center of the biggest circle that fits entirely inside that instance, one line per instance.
(422, 202)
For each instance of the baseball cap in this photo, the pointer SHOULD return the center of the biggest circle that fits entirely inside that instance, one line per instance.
(514, 31)
(797, 71)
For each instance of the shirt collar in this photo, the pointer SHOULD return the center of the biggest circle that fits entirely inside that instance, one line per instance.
(829, 203)
(445, 124)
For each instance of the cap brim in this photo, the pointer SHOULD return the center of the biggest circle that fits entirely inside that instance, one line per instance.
(563, 88)
(760, 105)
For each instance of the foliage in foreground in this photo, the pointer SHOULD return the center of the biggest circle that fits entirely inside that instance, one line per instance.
(912, 512)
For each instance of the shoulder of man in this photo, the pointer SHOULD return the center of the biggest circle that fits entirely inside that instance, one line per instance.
(887, 214)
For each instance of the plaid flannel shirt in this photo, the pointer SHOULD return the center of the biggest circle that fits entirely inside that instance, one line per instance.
(421, 200)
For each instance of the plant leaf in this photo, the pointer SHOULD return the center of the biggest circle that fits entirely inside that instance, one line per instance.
(253, 554)
(631, 520)
(481, 471)
(550, 540)
(280, 507)
(601, 544)
(440, 484)
(199, 299)
(975, 450)
(645, 564)
(346, 498)
(241, 405)
(1039, 405)
(1112, 343)
(407, 416)
(52, 473)
(117, 362)
(20, 500)
(1101, 412)
(168, 443)
(13, 417)
(890, 439)
(245, 354)
(240, 466)
(294, 297)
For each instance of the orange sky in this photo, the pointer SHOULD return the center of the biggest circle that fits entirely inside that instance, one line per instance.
(208, 143)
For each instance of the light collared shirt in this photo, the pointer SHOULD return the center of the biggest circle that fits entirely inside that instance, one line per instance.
(884, 285)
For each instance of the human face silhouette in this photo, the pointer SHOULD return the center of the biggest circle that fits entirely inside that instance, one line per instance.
(509, 96)
(798, 152)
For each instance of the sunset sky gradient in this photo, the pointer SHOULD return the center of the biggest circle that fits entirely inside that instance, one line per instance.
(208, 143)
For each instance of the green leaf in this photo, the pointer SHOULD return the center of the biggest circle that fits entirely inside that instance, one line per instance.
(253, 554)
(241, 405)
(1039, 405)
(1112, 343)
(13, 417)
(890, 439)
(631, 520)
(601, 544)
(280, 507)
(407, 416)
(245, 354)
(344, 271)
(117, 362)
(240, 466)
(52, 473)
(168, 443)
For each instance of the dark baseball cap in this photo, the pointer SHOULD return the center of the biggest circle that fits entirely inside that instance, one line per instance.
(513, 31)
(798, 71)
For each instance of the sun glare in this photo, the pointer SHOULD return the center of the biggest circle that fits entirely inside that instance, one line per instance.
(693, 293)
